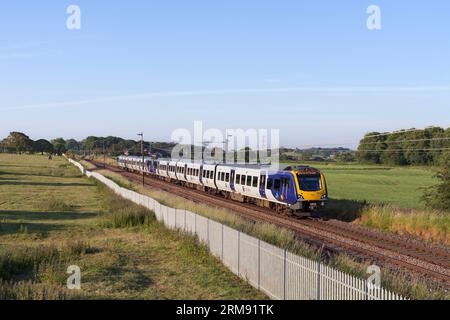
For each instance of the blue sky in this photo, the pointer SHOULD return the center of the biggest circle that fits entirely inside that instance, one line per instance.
(309, 68)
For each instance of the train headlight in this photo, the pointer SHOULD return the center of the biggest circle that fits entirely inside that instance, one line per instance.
(324, 197)
(300, 198)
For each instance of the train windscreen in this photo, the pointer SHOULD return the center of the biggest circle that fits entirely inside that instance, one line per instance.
(309, 182)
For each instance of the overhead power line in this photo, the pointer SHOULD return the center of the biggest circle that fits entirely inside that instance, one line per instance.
(412, 140)
(397, 132)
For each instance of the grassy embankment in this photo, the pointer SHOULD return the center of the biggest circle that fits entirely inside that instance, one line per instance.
(51, 218)
(399, 282)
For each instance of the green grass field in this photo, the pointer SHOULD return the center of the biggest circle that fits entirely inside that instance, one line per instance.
(51, 217)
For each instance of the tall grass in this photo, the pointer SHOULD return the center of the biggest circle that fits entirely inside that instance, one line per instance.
(433, 226)
(28, 290)
(38, 273)
(120, 213)
(53, 204)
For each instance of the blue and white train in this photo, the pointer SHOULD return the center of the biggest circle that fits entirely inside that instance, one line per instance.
(296, 189)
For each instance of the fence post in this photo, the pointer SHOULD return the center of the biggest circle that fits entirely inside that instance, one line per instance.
(175, 213)
(207, 233)
(195, 223)
(366, 289)
(239, 251)
(259, 264)
(284, 273)
(318, 280)
(222, 241)
(185, 219)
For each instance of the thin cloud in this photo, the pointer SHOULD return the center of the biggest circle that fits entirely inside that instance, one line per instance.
(413, 90)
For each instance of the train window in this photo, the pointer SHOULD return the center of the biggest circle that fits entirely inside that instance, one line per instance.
(249, 181)
(269, 184)
(255, 182)
(277, 185)
(243, 180)
(238, 179)
(211, 174)
(227, 177)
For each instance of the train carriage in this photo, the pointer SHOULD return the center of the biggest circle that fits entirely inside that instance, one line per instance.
(181, 171)
(163, 167)
(172, 170)
(193, 173)
(247, 182)
(209, 176)
(225, 178)
(294, 189)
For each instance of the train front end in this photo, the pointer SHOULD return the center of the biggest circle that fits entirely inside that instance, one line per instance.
(311, 188)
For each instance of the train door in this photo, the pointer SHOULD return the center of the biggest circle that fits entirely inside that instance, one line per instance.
(201, 174)
(262, 184)
(285, 188)
(233, 172)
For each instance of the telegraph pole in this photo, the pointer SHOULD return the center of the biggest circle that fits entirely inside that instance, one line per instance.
(143, 159)
(104, 156)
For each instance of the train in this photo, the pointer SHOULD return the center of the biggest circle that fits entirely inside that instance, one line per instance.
(298, 190)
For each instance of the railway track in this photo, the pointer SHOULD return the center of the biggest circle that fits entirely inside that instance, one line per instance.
(393, 251)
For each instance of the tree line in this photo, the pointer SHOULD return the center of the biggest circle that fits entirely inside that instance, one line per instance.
(430, 146)
(21, 143)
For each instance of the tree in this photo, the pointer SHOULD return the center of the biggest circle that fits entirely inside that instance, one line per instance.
(345, 157)
(59, 146)
(406, 147)
(19, 142)
(438, 197)
(368, 146)
(42, 146)
(72, 145)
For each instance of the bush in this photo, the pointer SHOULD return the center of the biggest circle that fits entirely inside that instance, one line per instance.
(438, 197)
